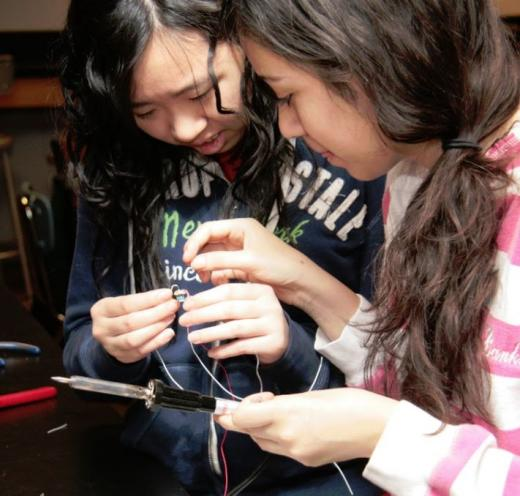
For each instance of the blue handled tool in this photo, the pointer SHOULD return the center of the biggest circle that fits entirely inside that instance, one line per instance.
(16, 346)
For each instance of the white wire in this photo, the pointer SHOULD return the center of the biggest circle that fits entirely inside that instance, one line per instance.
(213, 378)
(317, 375)
(166, 371)
(132, 290)
(257, 370)
(334, 463)
(344, 478)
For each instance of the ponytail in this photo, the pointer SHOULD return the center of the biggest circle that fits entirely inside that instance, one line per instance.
(436, 279)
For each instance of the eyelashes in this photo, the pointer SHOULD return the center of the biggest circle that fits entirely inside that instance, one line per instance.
(202, 95)
(144, 115)
(149, 113)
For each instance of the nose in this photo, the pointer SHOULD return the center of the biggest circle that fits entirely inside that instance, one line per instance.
(289, 122)
(185, 127)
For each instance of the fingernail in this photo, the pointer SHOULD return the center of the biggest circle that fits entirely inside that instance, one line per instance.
(265, 396)
(193, 338)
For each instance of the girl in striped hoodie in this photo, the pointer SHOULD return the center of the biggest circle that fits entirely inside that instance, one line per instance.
(429, 91)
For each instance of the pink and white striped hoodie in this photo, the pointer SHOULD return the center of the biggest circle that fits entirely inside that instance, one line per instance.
(469, 459)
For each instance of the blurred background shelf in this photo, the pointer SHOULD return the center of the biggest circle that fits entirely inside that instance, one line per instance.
(509, 8)
(32, 93)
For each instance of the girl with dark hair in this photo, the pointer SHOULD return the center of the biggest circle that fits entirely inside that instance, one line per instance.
(160, 141)
(427, 91)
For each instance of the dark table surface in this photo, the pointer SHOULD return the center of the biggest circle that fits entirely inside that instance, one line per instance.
(85, 458)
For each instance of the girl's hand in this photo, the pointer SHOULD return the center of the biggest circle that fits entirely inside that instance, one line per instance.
(249, 314)
(244, 249)
(316, 427)
(132, 326)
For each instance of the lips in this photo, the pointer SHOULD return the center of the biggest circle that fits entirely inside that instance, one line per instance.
(206, 141)
(212, 146)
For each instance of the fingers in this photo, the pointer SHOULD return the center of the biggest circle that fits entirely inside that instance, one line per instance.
(227, 421)
(249, 315)
(156, 342)
(135, 345)
(218, 260)
(228, 302)
(255, 412)
(251, 346)
(225, 310)
(130, 348)
(262, 416)
(227, 330)
(164, 312)
(123, 305)
(227, 292)
(220, 231)
(219, 277)
(136, 339)
(140, 329)
(248, 337)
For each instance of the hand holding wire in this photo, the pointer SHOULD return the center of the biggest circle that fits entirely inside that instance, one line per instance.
(315, 427)
(132, 326)
(250, 318)
(246, 250)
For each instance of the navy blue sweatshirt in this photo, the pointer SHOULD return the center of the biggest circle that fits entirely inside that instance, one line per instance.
(333, 219)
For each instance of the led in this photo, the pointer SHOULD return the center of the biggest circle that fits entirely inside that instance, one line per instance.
(179, 294)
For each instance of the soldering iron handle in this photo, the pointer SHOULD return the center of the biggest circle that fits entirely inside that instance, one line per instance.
(179, 399)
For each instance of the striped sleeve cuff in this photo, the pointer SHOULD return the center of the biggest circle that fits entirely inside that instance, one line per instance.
(348, 352)
(416, 455)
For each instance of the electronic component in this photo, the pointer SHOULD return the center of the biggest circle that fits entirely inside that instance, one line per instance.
(179, 294)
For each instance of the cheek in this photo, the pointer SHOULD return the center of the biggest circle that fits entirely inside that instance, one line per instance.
(230, 93)
(315, 122)
(155, 128)
(146, 127)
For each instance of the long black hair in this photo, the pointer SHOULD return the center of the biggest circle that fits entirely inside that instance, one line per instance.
(434, 70)
(121, 171)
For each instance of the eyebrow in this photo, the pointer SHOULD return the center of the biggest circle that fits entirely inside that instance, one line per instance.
(174, 94)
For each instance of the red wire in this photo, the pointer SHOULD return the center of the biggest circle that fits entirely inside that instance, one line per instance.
(224, 435)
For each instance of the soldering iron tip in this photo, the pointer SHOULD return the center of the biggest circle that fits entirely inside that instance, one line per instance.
(65, 380)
